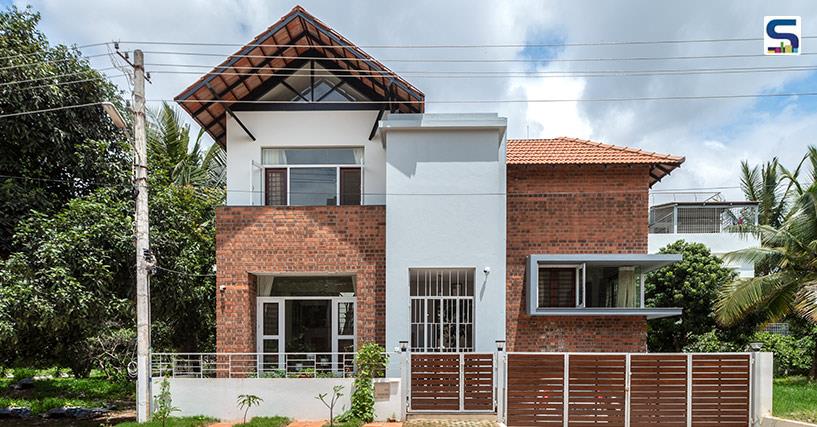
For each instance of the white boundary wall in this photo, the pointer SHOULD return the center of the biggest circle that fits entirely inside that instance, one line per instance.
(289, 397)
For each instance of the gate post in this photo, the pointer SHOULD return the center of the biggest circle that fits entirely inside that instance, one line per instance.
(501, 368)
(627, 386)
(761, 379)
(405, 375)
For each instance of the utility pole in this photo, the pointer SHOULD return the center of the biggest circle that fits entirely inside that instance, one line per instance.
(143, 257)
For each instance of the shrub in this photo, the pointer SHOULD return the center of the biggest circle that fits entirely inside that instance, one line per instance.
(22, 373)
(371, 362)
(792, 356)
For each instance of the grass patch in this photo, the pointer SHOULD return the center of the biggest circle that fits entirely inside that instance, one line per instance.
(196, 421)
(347, 423)
(795, 398)
(266, 422)
(59, 392)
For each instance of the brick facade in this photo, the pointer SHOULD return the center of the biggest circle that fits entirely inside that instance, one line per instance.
(573, 209)
(307, 239)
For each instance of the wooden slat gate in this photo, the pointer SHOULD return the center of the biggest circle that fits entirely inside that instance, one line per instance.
(457, 382)
(676, 390)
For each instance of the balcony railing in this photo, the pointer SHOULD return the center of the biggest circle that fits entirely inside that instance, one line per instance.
(702, 217)
(253, 365)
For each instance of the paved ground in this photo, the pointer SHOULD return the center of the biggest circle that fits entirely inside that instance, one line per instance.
(448, 423)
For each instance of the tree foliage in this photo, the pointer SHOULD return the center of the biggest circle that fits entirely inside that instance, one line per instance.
(67, 257)
(789, 287)
(692, 284)
(59, 155)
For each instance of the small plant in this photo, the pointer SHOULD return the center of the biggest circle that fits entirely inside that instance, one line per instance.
(247, 401)
(164, 403)
(371, 363)
(336, 395)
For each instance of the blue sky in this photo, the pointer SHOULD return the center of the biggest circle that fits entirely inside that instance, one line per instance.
(713, 135)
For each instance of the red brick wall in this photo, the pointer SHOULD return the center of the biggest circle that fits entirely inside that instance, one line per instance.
(573, 209)
(308, 239)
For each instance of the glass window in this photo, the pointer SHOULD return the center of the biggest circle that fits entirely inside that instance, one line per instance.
(271, 318)
(312, 156)
(313, 186)
(609, 287)
(300, 87)
(329, 286)
(346, 318)
(557, 287)
(350, 186)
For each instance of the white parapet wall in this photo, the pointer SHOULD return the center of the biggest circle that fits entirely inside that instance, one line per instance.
(289, 397)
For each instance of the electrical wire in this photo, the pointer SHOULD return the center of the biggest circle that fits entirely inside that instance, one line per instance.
(13, 82)
(503, 74)
(46, 110)
(26, 55)
(465, 46)
(93, 79)
(55, 61)
(466, 60)
(512, 101)
(169, 270)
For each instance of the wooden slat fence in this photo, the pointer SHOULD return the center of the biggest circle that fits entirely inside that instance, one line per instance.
(452, 382)
(675, 390)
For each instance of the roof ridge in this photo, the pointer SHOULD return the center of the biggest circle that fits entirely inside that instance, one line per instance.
(606, 145)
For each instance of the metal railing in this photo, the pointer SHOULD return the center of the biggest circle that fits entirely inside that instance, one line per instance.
(253, 365)
(720, 217)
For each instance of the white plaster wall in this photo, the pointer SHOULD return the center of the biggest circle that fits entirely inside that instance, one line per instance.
(288, 397)
(463, 228)
(300, 129)
(719, 243)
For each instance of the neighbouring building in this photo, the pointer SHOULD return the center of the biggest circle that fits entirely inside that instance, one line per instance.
(353, 216)
(712, 221)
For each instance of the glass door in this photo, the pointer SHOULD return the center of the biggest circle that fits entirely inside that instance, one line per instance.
(270, 333)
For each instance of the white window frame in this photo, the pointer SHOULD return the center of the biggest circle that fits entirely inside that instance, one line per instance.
(442, 298)
(263, 167)
(281, 337)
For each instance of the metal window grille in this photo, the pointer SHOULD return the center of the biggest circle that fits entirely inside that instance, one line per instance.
(442, 309)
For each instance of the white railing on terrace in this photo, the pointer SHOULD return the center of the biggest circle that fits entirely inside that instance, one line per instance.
(702, 217)
(253, 365)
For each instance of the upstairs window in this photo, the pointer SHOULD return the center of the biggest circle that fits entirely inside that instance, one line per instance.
(312, 176)
(315, 84)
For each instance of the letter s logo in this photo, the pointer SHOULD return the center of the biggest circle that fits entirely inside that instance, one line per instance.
(782, 42)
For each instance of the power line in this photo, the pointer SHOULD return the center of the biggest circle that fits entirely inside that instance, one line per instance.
(513, 101)
(46, 110)
(26, 55)
(93, 79)
(463, 46)
(451, 74)
(469, 60)
(55, 61)
(79, 73)
(158, 267)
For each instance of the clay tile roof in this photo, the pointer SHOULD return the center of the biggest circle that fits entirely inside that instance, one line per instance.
(574, 151)
(296, 37)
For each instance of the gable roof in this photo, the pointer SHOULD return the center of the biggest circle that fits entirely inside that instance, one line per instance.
(256, 67)
(574, 151)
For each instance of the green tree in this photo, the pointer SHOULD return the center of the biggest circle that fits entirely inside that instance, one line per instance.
(172, 157)
(59, 155)
(68, 280)
(790, 285)
(693, 284)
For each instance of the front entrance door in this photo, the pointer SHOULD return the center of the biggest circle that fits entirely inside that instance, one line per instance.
(305, 331)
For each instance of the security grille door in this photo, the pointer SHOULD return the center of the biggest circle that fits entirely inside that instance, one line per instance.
(442, 310)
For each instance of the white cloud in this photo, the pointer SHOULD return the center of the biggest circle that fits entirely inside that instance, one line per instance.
(713, 135)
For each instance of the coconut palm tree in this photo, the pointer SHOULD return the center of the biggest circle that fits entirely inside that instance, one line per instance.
(171, 153)
(790, 252)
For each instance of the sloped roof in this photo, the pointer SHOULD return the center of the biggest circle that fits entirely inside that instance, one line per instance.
(574, 151)
(284, 45)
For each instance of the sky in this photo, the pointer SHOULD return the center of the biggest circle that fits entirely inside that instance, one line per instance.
(713, 135)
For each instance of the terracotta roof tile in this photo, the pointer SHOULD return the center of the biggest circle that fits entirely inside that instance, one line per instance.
(574, 151)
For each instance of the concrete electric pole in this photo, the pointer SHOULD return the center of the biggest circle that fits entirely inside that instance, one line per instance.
(143, 263)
